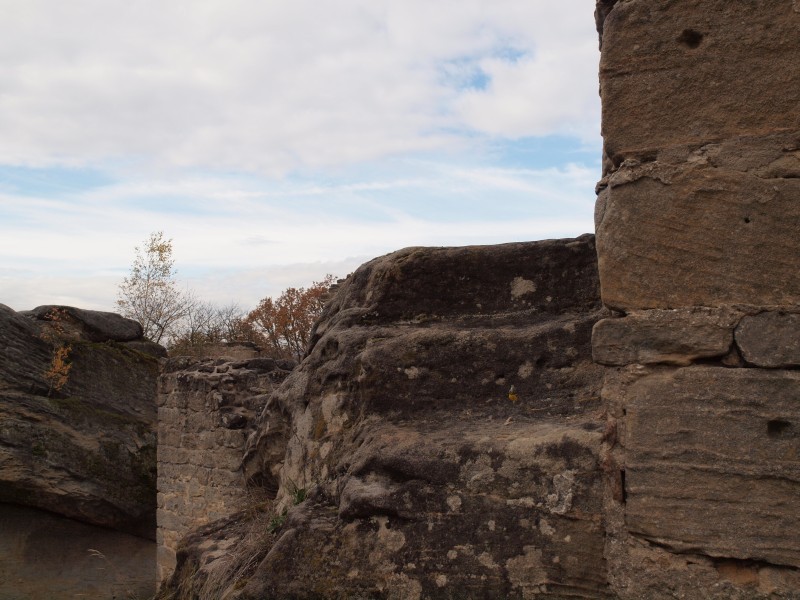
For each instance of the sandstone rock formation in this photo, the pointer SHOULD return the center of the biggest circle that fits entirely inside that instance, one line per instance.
(404, 467)
(85, 447)
(93, 325)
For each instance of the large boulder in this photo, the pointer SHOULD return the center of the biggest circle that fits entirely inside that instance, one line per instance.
(94, 325)
(77, 419)
(441, 439)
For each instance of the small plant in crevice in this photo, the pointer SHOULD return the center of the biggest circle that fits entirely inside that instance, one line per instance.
(39, 450)
(58, 373)
(276, 522)
(298, 494)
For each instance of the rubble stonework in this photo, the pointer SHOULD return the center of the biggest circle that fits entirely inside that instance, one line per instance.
(206, 409)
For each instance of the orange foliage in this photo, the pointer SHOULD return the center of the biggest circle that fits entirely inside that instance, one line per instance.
(58, 373)
(284, 325)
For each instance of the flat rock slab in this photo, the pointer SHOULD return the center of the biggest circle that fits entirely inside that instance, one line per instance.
(713, 462)
(663, 336)
(545, 277)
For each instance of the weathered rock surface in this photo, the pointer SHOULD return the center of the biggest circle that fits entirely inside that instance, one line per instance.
(712, 462)
(696, 72)
(85, 449)
(649, 258)
(407, 470)
(707, 484)
(93, 325)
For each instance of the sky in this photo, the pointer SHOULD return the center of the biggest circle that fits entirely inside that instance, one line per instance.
(275, 142)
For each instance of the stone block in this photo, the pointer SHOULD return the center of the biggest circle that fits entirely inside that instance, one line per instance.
(770, 339)
(168, 414)
(168, 437)
(165, 558)
(712, 462)
(171, 522)
(232, 439)
(686, 236)
(704, 70)
(663, 336)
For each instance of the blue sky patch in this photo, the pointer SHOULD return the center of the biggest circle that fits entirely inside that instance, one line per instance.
(50, 181)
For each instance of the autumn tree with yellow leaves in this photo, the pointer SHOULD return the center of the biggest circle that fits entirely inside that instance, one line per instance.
(150, 293)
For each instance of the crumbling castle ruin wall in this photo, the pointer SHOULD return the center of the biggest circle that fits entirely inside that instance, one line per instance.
(205, 413)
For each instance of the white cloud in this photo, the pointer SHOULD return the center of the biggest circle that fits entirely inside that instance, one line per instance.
(535, 96)
(276, 86)
(170, 103)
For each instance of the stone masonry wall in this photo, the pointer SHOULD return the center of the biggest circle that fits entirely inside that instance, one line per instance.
(206, 410)
(698, 217)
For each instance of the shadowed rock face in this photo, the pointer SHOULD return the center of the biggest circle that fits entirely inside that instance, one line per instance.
(87, 449)
(408, 471)
(43, 555)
